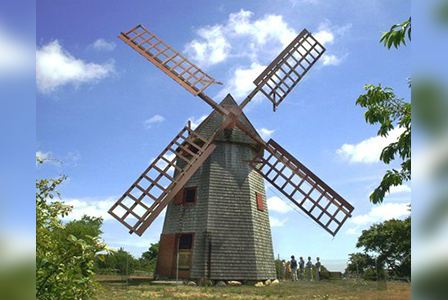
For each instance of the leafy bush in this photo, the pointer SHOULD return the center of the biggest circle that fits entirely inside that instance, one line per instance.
(65, 253)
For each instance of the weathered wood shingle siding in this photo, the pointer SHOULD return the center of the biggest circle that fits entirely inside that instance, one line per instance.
(227, 224)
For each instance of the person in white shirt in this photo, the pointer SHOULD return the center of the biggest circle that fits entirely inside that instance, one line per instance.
(309, 267)
(317, 266)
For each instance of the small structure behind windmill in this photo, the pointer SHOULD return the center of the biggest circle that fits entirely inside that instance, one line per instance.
(211, 179)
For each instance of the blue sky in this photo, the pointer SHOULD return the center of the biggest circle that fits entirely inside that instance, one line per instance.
(17, 126)
(105, 112)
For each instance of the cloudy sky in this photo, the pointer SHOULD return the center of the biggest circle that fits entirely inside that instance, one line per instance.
(104, 112)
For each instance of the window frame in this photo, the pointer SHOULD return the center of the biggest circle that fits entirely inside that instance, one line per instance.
(184, 196)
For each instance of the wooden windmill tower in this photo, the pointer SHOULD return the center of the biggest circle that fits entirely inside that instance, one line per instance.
(211, 179)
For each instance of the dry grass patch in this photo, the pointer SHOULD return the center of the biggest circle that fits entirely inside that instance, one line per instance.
(326, 290)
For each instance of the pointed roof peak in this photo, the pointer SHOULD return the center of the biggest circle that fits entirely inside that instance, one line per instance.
(228, 100)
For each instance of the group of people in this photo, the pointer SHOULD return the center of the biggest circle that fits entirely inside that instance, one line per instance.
(290, 269)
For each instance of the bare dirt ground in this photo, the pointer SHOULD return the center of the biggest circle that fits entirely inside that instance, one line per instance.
(341, 289)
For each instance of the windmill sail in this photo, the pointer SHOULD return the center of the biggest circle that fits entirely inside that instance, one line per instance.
(302, 187)
(167, 59)
(162, 180)
(282, 75)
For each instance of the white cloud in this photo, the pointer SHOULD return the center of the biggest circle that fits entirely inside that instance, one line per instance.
(331, 60)
(277, 222)
(196, 122)
(91, 207)
(15, 55)
(382, 213)
(369, 150)
(211, 47)
(352, 231)
(266, 133)
(270, 28)
(103, 45)
(400, 189)
(156, 119)
(239, 36)
(55, 67)
(129, 240)
(241, 82)
(258, 40)
(324, 36)
(278, 205)
(328, 32)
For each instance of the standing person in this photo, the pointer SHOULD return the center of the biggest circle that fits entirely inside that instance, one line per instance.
(284, 269)
(288, 270)
(309, 267)
(318, 265)
(294, 268)
(302, 268)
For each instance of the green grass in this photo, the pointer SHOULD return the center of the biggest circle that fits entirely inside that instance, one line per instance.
(341, 289)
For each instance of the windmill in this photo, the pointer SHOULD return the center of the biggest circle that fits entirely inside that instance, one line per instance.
(211, 179)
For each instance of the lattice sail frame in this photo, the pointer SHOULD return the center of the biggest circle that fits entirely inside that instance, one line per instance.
(167, 59)
(302, 187)
(284, 72)
(162, 180)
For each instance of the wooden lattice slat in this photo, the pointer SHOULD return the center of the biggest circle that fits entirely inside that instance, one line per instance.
(282, 75)
(161, 181)
(302, 187)
(167, 59)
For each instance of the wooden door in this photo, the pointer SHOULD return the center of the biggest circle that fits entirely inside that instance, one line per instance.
(185, 250)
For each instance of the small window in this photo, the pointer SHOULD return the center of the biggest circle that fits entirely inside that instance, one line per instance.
(185, 241)
(190, 194)
(259, 198)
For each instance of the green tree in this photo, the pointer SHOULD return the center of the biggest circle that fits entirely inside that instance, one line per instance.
(64, 255)
(391, 242)
(359, 263)
(119, 261)
(152, 252)
(383, 107)
(84, 228)
(396, 36)
(148, 259)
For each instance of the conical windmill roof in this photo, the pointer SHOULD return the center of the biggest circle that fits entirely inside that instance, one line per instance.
(214, 120)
